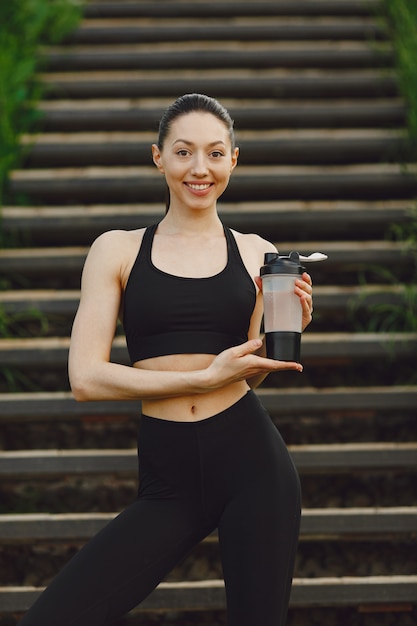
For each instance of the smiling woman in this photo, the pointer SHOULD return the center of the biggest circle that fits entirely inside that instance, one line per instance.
(187, 290)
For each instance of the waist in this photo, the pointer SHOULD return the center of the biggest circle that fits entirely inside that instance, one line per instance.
(195, 407)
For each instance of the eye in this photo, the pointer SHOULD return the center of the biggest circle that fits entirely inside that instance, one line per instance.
(183, 152)
(217, 154)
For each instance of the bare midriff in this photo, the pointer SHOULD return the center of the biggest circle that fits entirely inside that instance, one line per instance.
(189, 408)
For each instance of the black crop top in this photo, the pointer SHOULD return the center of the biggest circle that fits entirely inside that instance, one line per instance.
(167, 314)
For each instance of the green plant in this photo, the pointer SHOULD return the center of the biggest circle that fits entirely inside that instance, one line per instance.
(24, 27)
(28, 323)
(401, 21)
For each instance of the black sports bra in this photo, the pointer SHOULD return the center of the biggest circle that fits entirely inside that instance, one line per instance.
(167, 314)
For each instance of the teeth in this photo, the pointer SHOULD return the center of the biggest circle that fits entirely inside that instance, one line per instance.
(199, 187)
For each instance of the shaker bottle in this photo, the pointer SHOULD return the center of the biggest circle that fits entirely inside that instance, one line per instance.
(282, 307)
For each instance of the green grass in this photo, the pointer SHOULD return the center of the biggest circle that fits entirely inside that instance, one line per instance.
(25, 25)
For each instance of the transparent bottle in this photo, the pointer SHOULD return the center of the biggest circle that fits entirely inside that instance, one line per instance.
(282, 307)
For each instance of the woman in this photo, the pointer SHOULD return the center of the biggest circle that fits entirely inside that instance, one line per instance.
(210, 457)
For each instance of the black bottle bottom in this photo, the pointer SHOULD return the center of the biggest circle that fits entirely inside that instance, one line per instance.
(283, 346)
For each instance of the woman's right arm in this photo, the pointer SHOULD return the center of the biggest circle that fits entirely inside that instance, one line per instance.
(94, 377)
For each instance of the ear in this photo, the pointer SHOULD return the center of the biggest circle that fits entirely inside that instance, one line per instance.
(157, 157)
(235, 155)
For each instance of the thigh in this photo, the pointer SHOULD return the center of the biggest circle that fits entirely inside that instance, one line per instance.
(258, 535)
(118, 568)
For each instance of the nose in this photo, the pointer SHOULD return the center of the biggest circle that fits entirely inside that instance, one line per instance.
(199, 165)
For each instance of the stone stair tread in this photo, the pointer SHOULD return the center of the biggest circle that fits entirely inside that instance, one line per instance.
(314, 523)
(66, 301)
(387, 210)
(155, 106)
(50, 406)
(71, 258)
(297, 18)
(225, 83)
(65, 139)
(93, 185)
(111, 115)
(202, 48)
(262, 28)
(156, 76)
(274, 75)
(309, 458)
(209, 594)
(243, 172)
(230, 8)
(211, 55)
(351, 345)
(257, 148)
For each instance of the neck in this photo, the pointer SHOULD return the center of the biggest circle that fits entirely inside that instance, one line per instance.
(195, 224)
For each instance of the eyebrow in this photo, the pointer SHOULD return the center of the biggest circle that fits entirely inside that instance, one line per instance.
(190, 143)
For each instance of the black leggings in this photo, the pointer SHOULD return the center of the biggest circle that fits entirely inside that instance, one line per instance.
(231, 471)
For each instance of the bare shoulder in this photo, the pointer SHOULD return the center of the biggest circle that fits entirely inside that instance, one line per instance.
(115, 250)
(253, 244)
(113, 240)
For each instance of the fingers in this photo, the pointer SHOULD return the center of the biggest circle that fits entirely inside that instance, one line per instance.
(263, 363)
(249, 347)
(304, 289)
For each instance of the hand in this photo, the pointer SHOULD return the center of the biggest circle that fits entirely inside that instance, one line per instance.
(240, 363)
(304, 290)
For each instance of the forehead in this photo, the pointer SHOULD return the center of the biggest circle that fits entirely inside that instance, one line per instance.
(198, 127)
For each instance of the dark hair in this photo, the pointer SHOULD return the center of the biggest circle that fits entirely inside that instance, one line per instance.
(191, 103)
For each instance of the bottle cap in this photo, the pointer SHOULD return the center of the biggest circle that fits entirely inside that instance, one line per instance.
(276, 264)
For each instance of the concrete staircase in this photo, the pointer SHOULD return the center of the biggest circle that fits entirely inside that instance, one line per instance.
(320, 125)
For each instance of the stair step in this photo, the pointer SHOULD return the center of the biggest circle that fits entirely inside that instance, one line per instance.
(67, 225)
(112, 185)
(259, 28)
(275, 84)
(53, 351)
(335, 523)
(51, 406)
(209, 595)
(309, 459)
(231, 8)
(256, 148)
(32, 261)
(326, 298)
(137, 57)
(120, 115)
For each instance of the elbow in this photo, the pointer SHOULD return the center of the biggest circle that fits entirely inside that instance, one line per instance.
(80, 392)
(80, 387)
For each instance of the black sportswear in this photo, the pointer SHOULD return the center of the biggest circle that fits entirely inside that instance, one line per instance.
(167, 314)
(231, 471)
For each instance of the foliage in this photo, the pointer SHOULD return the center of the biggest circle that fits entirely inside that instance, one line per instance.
(24, 26)
(401, 19)
(27, 323)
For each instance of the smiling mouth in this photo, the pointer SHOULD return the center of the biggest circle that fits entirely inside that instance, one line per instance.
(198, 187)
